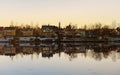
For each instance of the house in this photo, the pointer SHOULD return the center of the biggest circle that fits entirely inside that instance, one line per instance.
(74, 35)
(1, 32)
(10, 31)
(81, 32)
(68, 31)
(26, 32)
(49, 32)
(49, 28)
(91, 34)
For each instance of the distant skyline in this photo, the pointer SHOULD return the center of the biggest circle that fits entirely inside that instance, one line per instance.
(79, 12)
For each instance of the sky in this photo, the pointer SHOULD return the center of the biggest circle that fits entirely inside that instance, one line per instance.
(76, 12)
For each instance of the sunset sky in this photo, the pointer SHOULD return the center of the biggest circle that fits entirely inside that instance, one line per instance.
(77, 12)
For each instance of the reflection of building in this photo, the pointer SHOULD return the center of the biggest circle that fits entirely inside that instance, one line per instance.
(27, 38)
(75, 49)
(47, 51)
(1, 50)
(69, 50)
(94, 50)
(2, 39)
(27, 50)
(9, 50)
(81, 49)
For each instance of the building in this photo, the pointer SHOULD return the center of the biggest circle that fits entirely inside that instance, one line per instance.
(91, 34)
(10, 31)
(1, 32)
(26, 32)
(49, 28)
(49, 32)
(81, 32)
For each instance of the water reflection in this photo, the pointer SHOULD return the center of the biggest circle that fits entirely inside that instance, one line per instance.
(97, 51)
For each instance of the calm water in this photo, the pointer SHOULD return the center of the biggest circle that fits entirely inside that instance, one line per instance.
(68, 59)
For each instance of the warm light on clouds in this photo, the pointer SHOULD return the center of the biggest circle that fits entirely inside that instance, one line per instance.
(78, 12)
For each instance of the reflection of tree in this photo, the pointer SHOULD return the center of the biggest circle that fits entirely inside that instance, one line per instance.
(118, 54)
(72, 56)
(98, 56)
(113, 55)
(105, 54)
(95, 55)
(93, 51)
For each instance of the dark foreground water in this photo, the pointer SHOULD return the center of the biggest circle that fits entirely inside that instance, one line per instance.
(67, 59)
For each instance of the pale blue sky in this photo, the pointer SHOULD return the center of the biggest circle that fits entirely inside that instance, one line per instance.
(51, 11)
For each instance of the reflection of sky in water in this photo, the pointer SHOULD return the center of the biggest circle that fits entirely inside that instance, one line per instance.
(63, 65)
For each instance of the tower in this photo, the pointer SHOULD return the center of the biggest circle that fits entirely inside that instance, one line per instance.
(59, 25)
